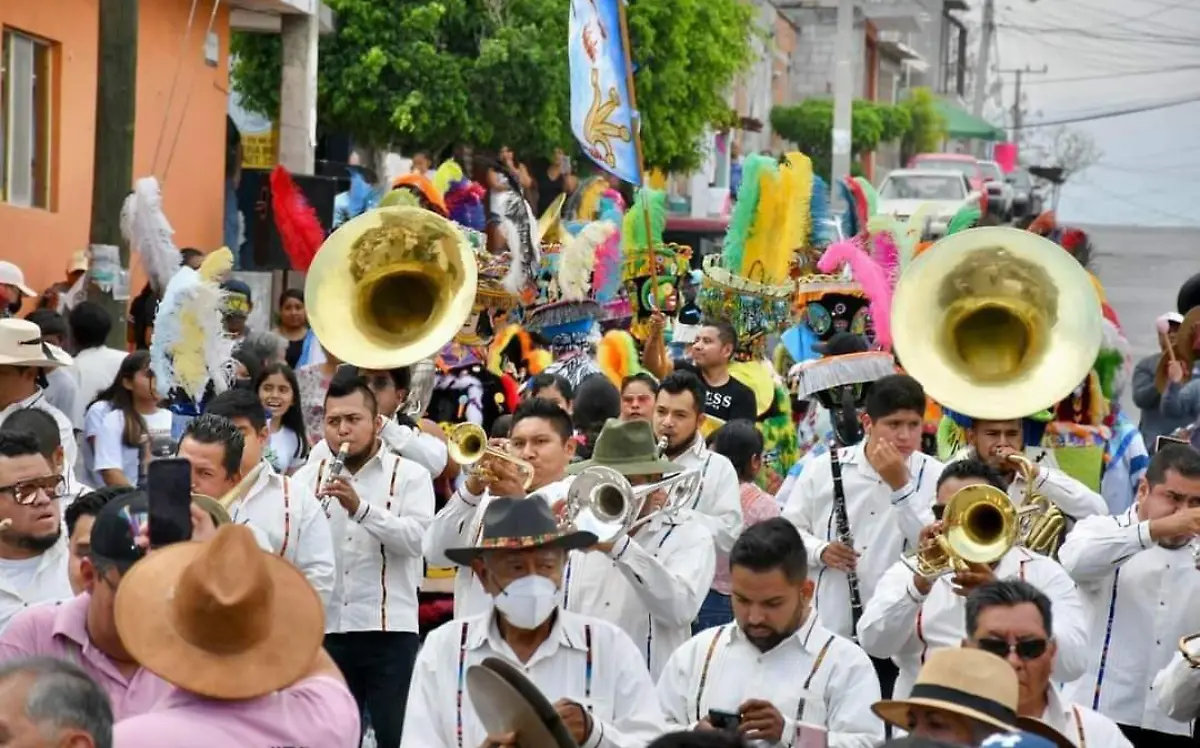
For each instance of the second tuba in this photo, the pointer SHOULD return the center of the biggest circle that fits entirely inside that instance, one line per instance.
(390, 287)
(979, 526)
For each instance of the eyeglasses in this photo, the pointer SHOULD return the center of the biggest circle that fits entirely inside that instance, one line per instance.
(25, 492)
(1026, 649)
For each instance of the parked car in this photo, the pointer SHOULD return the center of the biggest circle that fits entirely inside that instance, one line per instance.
(1028, 202)
(999, 191)
(904, 191)
(704, 235)
(963, 163)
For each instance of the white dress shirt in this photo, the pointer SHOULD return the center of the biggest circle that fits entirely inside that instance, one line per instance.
(1142, 599)
(296, 526)
(66, 431)
(459, 524)
(1082, 726)
(884, 524)
(1177, 688)
(585, 660)
(47, 583)
(378, 550)
(718, 505)
(901, 623)
(651, 586)
(426, 450)
(813, 677)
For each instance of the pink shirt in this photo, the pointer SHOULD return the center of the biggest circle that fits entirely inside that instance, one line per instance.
(757, 506)
(59, 630)
(317, 712)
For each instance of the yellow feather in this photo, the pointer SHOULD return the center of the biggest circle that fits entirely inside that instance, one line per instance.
(217, 264)
(589, 203)
(796, 184)
(761, 242)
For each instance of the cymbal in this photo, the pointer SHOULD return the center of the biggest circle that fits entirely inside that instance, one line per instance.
(506, 701)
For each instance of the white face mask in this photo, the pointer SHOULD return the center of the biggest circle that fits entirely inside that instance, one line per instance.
(527, 602)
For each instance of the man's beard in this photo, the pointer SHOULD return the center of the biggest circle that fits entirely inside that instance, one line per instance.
(355, 460)
(676, 448)
(768, 642)
(35, 543)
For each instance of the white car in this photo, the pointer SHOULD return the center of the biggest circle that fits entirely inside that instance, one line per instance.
(904, 191)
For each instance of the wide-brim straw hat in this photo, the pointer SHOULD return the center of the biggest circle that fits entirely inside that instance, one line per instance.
(968, 682)
(520, 524)
(222, 619)
(21, 344)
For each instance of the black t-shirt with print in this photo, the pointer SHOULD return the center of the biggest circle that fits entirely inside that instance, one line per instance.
(729, 401)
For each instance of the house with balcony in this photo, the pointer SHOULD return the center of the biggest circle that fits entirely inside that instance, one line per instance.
(48, 84)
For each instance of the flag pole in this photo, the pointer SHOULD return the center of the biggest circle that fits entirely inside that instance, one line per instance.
(637, 146)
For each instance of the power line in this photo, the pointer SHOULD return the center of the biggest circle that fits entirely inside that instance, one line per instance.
(1107, 76)
(1143, 38)
(1188, 220)
(1115, 113)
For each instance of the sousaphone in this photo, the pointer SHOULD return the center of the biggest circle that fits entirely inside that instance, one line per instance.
(996, 323)
(390, 287)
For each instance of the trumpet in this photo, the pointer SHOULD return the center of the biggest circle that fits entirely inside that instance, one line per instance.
(1041, 522)
(467, 444)
(980, 525)
(603, 502)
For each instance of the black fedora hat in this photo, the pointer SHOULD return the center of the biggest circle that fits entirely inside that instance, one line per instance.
(519, 524)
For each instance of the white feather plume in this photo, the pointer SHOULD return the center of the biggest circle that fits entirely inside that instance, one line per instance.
(578, 259)
(517, 222)
(149, 233)
(189, 347)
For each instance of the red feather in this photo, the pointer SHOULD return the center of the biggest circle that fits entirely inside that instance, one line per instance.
(861, 207)
(299, 228)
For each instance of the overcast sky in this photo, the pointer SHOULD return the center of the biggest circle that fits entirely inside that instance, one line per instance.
(1150, 169)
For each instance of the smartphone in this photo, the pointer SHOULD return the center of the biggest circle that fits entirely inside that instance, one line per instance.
(724, 721)
(169, 494)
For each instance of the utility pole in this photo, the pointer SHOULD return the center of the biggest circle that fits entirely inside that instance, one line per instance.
(985, 51)
(112, 165)
(1018, 117)
(843, 94)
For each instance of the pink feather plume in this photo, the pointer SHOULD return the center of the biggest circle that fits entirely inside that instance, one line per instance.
(871, 276)
(887, 254)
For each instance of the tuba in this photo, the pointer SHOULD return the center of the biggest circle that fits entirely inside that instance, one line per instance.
(996, 323)
(467, 444)
(979, 526)
(603, 502)
(1041, 522)
(390, 287)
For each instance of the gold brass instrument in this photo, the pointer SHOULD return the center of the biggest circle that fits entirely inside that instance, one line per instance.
(996, 323)
(979, 526)
(391, 287)
(467, 444)
(603, 502)
(219, 514)
(1041, 522)
(1186, 651)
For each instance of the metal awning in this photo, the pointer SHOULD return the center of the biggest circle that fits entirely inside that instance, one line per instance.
(903, 17)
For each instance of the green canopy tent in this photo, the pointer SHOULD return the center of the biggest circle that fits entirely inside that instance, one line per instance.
(961, 125)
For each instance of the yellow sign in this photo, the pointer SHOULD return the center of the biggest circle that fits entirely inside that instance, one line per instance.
(259, 150)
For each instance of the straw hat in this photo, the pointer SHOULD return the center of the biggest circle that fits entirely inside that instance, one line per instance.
(520, 524)
(968, 682)
(222, 618)
(21, 344)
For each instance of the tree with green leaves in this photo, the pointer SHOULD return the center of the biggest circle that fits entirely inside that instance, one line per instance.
(927, 126)
(426, 74)
(809, 125)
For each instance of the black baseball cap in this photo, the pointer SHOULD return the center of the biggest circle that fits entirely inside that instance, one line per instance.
(116, 528)
(841, 344)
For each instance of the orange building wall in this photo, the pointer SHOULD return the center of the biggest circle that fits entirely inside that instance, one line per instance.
(193, 194)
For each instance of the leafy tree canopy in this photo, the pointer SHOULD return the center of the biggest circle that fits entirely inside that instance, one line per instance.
(425, 74)
(810, 126)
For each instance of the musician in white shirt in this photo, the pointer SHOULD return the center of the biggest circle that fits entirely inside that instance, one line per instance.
(541, 436)
(587, 668)
(285, 510)
(776, 666)
(1014, 620)
(398, 432)
(1138, 576)
(379, 508)
(678, 415)
(888, 486)
(1177, 686)
(650, 581)
(994, 441)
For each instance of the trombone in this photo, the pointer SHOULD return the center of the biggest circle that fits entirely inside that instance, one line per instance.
(467, 444)
(603, 502)
(979, 526)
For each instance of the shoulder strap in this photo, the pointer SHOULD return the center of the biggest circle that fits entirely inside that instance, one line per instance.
(708, 657)
(287, 515)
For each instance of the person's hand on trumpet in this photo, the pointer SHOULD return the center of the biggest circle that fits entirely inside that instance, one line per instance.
(499, 477)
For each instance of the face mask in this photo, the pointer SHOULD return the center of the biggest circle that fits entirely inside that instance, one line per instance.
(527, 602)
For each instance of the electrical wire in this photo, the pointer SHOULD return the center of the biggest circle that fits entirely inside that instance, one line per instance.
(1188, 220)
(1109, 76)
(1144, 38)
(162, 131)
(1111, 114)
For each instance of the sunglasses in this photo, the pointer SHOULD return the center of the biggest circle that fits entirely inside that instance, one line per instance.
(1026, 649)
(25, 492)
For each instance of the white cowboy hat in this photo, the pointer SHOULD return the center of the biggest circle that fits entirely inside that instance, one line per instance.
(21, 344)
(11, 275)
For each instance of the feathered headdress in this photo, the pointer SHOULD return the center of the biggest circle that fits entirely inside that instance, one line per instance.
(672, 261)
(299, 228)
(145, 226)
(464, 203)
(447, 175)
(517, 223)
(871, 275)
(419, 185)
(514, 352)
(188, 347)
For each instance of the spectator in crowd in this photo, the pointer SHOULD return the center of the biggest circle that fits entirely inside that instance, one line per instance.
(62, 391)
(50, 703)
(96, 364)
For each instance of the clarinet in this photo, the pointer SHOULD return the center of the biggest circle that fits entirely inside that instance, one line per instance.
(844, 537)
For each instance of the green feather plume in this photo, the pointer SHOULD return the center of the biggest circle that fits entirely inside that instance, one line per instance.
(871, 195)
(742, 219)
(403, 198)
(966, 217)
(1108, 363)
(633, 235)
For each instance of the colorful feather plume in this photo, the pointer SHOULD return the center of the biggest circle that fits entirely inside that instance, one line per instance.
(873, 279)
(517, 223)
(420, 185)
(633, 233)
(617, 355)
(577, 260)
(796, 178)
(145, 226)
(448, 174)
(584, 203)
(189, 348)
(300, 230)
(464, 203)
(818, 208)
(765, 234)
(966, 217)
(859, 203)
(607, 277)
(742, 219)
(849, 218)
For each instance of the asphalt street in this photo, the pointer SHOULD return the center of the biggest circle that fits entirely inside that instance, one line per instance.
(1142, 269)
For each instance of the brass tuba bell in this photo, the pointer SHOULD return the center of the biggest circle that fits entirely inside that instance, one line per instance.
(390, 287)
(996, 323)
(979, 526)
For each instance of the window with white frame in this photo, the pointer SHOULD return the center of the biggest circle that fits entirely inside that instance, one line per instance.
(26, 81)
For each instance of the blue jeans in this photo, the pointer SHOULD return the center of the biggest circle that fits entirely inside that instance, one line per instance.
(716, 611)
